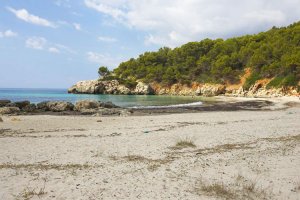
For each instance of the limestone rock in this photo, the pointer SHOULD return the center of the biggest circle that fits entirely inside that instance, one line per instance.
(4, 102)
(29, 108)
(86, 104)
(143, 89)
(87, 87)
(108, 105)
(42, 105)
(122, 89)
(9, 110)
(22, 104)
(212, 90)
(59, 106)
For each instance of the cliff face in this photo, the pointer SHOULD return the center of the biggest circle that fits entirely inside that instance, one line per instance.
(259, 89)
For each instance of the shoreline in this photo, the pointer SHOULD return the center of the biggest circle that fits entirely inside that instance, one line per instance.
(219, 103)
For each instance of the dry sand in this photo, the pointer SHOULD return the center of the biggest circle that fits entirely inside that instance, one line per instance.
(223, 155)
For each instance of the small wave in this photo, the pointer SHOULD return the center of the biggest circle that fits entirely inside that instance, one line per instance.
(170, 106)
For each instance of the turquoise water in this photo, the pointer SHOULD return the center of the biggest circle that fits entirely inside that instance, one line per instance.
(38, 95)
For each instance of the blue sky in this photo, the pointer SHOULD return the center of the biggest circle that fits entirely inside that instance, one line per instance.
(55, 43)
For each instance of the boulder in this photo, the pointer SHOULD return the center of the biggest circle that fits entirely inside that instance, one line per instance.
(143, 89)
(59, 106)
(22, 104)
(11, 104)
(86, 104)
(9, 110)
(108, 105)
(4, 102)
(42, 105)
(29, 108)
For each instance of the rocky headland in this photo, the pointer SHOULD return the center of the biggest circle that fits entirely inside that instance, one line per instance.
(259, 89)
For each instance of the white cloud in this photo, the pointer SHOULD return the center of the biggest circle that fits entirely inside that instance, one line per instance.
(53, 50)
(174, 22)
(106, 39)
(65, 48)
(8, 33)
(103, 59)
(24, 15)
(77, 26)
(41, 43)
(36, 43)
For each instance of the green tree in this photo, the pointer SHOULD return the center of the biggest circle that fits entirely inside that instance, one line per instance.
(103, 71)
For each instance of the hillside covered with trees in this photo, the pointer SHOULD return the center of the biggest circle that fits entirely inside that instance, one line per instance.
(273, 54)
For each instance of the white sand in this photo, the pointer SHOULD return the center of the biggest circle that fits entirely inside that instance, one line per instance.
(244, 154)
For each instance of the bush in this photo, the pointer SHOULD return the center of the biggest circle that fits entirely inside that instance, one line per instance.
(275, 82)
(280, 81)
(251, 80)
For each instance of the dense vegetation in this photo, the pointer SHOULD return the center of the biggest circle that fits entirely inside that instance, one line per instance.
(272, 54)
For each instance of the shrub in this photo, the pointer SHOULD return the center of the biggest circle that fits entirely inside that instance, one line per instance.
(251, 80)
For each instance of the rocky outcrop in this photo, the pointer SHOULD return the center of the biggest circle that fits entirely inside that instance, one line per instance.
(9, 110)
(143, 89)
(59, 106)
(109, 87)
(212, 90)
(99, 87)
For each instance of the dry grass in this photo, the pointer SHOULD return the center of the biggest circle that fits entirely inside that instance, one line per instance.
(240, 189)
(184, 143)
(217, 190)
(29, 193)
(46, 166)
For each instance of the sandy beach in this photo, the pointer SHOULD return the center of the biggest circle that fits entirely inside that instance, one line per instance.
(202, 155)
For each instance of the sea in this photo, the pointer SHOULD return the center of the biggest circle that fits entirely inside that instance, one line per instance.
(128, 101)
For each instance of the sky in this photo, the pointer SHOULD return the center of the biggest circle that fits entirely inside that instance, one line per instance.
(55, 43)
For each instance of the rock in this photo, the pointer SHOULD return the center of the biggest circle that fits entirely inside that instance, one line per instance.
(88, 87)
(1, 120)
(108, 105)
(9, 110)
(212, 90)
(110, 87)
(11, 105)
(4, 102)
(122, 89)
(22, 104)
(59, 106)
(86, 104)
(42, 105)
(143, 89)
(99, 87)
(29, 108)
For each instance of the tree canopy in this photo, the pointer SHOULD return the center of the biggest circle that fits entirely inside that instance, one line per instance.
(272, 54)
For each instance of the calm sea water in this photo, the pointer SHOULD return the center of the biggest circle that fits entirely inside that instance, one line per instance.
(38, 95)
